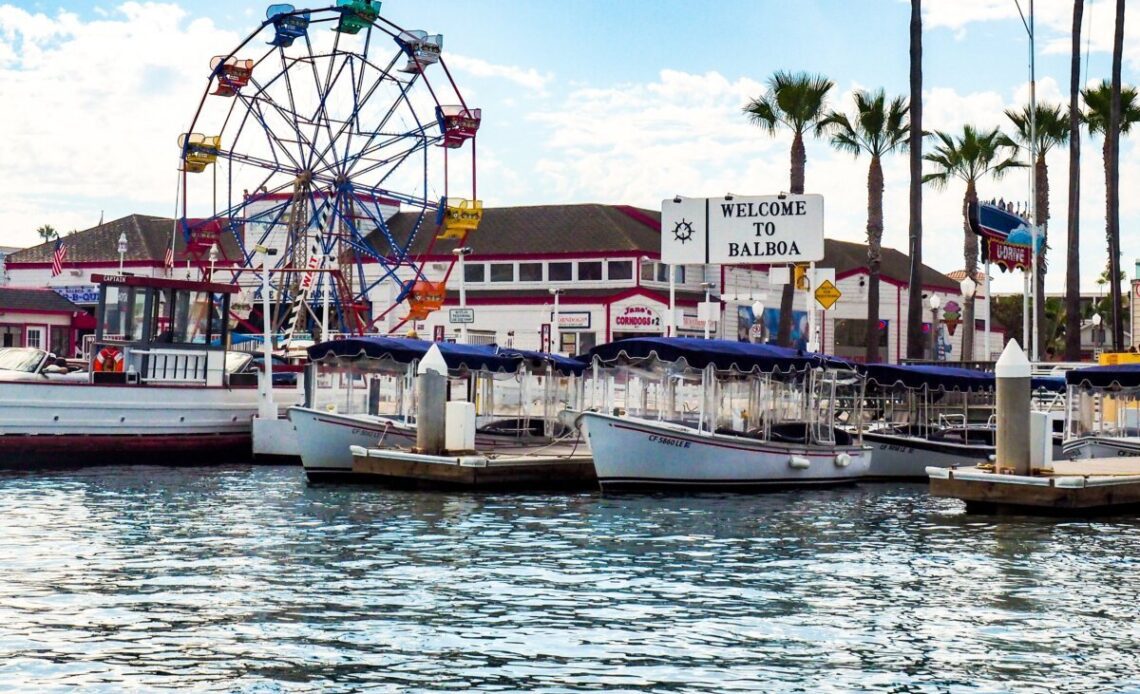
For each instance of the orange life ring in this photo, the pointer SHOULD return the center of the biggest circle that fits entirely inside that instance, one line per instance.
(109, 359)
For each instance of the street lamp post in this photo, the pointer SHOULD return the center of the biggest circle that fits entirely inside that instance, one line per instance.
(934, 302)
(555, 335)
(707, 286)
(462, 252)
(969, 287)
(122, 250)
(1096, 321)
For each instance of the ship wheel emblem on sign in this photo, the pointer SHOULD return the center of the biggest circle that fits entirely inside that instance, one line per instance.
(683, 231)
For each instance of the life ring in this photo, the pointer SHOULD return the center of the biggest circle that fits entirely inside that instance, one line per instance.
(109, 359)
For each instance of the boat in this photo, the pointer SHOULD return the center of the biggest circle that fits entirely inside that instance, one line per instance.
(361, 394)
(715, 414)
(923, 416)
(1103, 416)
(159, 384)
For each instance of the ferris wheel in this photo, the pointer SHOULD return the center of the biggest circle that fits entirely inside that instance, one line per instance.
(311, 134)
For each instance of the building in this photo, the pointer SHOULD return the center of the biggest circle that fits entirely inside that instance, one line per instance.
(43, 319)
(567, 276)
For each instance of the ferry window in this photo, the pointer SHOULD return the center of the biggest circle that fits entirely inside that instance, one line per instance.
(530, 272)
(474, 272)
(502, 272)
(560, 272)
(620, 269)
(117, 313)
(138, 314)
(591, 270)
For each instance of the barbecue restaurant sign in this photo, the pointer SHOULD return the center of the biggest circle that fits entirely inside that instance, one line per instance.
(736, 230)
(637, 318)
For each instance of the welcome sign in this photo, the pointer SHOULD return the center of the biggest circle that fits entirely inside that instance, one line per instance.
(736, 230)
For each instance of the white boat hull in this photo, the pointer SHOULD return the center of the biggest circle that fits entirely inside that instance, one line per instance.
(1087, 447)
(632, 453)
(324, 438)
(907, 457)
(62, 423)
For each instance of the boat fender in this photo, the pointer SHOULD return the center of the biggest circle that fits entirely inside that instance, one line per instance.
(842, 460)
(992, 457)
(798, 462)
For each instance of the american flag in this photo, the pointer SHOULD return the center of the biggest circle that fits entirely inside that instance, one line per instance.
(169, 261)
(57, 257)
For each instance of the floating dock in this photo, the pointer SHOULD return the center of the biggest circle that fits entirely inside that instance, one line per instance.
(559, 466)
(1072, 487)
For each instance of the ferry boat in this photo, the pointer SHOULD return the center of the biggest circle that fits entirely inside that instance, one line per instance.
(1103, 416)
(714, 414)
(159, 384)
(360, 393)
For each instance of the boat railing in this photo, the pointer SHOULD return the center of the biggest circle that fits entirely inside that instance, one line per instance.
(174, 365)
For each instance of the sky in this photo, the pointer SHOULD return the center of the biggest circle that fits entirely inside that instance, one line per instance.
(599, 101)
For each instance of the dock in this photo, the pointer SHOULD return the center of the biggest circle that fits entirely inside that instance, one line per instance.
(1072, 488)
(560, 466)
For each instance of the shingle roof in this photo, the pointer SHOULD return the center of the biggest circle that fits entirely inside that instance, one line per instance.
(12, 299)
(846, 256)
(147, 239)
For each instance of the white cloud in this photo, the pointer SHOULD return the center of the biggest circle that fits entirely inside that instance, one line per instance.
(528, 78)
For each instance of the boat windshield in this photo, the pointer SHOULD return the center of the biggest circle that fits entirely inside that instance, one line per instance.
(24, 359)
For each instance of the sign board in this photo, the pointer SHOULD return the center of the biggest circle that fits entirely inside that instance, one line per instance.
(827, 294)
(572, 320)
(736, 230)
(461, 315)
(81, 294)
(708, 311)
(637, 318)
(437, 333)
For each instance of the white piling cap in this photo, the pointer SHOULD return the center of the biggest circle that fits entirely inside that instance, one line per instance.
(432, 361)
(1012, 363)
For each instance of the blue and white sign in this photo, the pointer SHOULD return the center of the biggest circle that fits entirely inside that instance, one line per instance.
(738, 230)
(80, 294)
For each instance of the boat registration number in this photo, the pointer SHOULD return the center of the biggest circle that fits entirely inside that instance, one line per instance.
(666, 441)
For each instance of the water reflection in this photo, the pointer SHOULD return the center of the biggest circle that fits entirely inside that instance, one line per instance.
(247, 578)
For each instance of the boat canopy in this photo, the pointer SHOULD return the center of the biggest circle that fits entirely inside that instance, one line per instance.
(918, 376)
(403, 350)
(1116, 377)
(725, 355)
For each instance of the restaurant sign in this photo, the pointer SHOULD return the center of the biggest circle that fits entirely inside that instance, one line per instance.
(637, 318)
(79, 294)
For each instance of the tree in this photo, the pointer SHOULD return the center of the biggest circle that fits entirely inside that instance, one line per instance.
(798, 102)
(1097, 116)
(878, 128)
(969, 157)
(48, 233)
(1112, 196)
(914, 337)
(1051, 129)
(1073, 257)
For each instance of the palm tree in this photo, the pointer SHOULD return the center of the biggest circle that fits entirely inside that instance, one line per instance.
(797, 101)
(1073, 257)
(914, 338)
(48, 233)
(969, 157)
(1112, 195)
(878, 128)
(1051, 129)
(1097, 116)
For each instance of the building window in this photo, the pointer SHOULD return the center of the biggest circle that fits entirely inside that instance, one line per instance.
(591, 270)
(59, 340)
(576, 342)
(851, 337)
(530, 272)
(481, 337)
(35, 337)
(663, 273)
(647, 270)
(502, 272)
(474, 272)
(560, 272)
(11, 335)
(620, 269)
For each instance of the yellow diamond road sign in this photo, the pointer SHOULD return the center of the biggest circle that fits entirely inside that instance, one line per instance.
(827, 294)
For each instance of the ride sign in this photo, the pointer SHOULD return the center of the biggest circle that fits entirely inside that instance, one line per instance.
(736, 230)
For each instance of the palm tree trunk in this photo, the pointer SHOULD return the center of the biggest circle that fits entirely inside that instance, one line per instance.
(970, 254)
(1041, 172)
(1073, 257)
(874, 254)
(1112, 197)
(914, 338)
(798, 166)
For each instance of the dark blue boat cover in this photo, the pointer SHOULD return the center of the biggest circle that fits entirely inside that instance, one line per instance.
(726, 355)
(566, 366)
(945, 377)
(404, 350)
(1119, 376)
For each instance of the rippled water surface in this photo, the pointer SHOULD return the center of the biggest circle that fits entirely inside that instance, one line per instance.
(246, 578)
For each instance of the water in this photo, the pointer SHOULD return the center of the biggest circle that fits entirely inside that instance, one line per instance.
(247, 579)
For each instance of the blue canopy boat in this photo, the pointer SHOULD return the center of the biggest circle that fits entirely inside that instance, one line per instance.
(718, 414)
(372, 404)
(1103, 417)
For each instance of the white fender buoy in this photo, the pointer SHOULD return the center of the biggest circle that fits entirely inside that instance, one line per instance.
(798, 462)
(842, 460)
